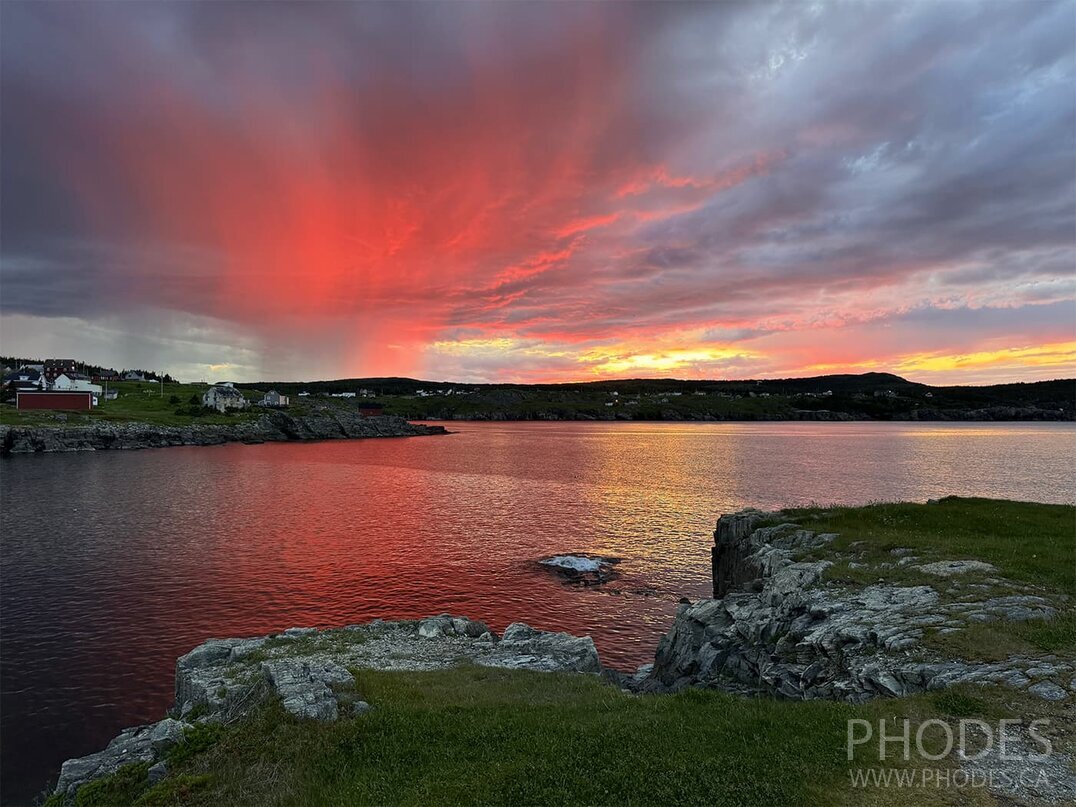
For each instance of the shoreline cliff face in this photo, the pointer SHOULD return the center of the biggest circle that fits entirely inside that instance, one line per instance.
(328, 424)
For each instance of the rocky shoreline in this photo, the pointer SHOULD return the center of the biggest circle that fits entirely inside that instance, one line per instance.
(326, 424)
(776, 627)
(308, 671)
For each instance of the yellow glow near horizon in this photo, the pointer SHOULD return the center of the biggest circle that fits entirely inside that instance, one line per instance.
(1054, 355)
(611, 363)
(1058, 354)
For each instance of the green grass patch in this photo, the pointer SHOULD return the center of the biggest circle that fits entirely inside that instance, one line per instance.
(992, 641)
(122, 787)
(1033, 547)
(175, 790)
(198, 738)
(1027, 542)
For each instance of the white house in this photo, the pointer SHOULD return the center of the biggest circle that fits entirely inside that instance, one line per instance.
(274, 399)
(75, 382)
(223, 398)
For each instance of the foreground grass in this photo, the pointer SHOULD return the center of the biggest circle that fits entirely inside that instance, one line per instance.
(481, 736)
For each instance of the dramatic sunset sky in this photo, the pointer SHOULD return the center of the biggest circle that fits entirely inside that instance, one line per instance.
(547, 191)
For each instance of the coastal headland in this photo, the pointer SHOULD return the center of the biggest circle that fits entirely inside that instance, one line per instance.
(884, 616)
(328, 423)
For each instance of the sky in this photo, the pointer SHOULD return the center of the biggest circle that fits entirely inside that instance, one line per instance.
(541, 192)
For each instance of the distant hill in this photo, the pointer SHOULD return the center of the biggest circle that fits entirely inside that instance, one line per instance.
(867, 396)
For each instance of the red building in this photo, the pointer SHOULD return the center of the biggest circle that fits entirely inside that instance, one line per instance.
(53, 400)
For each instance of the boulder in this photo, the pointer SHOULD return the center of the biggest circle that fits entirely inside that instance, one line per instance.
(1048, 691)
(523, 647)
(305, 689)
(435, 627)
(583, 568)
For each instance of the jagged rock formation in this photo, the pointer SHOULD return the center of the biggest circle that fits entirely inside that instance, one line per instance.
(325, 424)
(308, 670)
(777, 627)
(140, 744)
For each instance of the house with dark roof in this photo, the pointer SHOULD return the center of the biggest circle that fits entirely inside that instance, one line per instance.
(274, 399)
(24, 379)
(57, 367)
(222, 398)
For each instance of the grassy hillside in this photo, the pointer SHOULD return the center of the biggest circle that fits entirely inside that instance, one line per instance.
(1027, 542)
(873, 396)
(174, 405)
(870, 396)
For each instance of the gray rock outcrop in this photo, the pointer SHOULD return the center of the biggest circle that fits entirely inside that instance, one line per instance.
(139, 744)
(776, 626)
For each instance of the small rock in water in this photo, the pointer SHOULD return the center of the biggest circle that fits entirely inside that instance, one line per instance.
(583, 569)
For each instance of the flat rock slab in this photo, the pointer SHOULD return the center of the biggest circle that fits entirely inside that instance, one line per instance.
(948, 568)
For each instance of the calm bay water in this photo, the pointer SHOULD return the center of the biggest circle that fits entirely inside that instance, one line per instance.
(113, 564)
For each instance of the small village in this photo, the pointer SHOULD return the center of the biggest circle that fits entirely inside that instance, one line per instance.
(61, 386)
